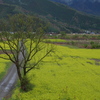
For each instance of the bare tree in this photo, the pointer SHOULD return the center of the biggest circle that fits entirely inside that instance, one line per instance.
(25, 42)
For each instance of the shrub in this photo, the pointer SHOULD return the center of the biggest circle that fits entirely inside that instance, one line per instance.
(25, 84)
(85, 45)
(95, 46)
(72, 42)
(91, 42)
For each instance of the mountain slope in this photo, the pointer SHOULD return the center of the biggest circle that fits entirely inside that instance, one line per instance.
(6, 9)
(88, 6)
(58, 14)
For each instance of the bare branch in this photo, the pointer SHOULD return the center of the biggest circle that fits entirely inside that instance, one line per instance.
(39, 61)
(9, 55)
(4, 58)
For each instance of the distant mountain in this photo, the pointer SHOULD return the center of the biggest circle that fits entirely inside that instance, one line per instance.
(60, 17)
(88, 6)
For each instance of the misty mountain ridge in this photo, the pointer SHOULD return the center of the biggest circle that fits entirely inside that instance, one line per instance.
(88, 6)
(71, 1)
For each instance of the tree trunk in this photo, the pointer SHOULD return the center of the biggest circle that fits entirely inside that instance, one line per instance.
(19, 72)
(24, 69)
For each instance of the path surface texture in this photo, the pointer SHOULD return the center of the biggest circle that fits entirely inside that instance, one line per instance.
(9, 80)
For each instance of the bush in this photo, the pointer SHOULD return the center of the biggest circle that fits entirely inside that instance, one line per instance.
(95, 46)
(75, 36)
(85, 36)
(26, 85)
(85, 45)
(91, 42)
(72, 42)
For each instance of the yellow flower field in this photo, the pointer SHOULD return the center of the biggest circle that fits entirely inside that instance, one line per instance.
(4, 65)
(74, 75)
(4, 46)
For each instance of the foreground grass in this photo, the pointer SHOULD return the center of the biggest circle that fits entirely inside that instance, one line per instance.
(75, 76)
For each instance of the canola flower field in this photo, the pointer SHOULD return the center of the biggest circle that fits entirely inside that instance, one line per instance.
(4, 65)
(73, 75)
(4, 46)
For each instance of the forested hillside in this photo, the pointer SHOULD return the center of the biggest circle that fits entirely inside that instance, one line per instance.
(60, 17)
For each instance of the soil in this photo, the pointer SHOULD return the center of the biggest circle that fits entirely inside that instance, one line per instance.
(78, 43)
(97, 61)
(1, 52)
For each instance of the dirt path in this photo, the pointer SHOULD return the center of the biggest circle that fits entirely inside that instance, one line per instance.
(8, 82)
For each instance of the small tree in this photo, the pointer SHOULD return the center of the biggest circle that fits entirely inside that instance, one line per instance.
(25, 42)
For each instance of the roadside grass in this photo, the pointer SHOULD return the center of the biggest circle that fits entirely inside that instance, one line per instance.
(4, 65)
(74, 76)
